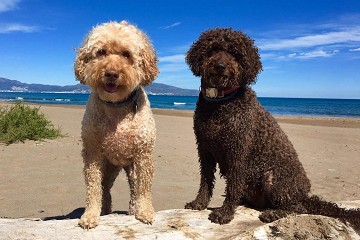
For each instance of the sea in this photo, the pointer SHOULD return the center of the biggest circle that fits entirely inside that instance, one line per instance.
(275, 105)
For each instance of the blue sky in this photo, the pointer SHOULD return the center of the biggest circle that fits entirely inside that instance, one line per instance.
(309, 48)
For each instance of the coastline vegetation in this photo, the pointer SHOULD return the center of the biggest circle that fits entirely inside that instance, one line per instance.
(21, 122)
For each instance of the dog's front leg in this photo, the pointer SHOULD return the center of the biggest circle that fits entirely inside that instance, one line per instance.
(207, 181)
(234, 190)
(93, 171)
(140, 175)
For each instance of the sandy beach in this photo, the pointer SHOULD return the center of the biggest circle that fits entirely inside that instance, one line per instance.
(44, 179)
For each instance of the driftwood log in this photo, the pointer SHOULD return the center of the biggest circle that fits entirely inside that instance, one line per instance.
(181, 224)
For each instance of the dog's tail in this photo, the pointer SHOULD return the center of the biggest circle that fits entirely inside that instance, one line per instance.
(315, 205)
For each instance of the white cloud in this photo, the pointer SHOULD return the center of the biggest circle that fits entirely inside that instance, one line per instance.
(15, 27)
(355, 50)
(313, 54)
(265, 56)
(270, 68)
(332, 37)
(173, 63)
(300, 55)
(309, 42)
(177, 58)
(7, 5)
(171, 25)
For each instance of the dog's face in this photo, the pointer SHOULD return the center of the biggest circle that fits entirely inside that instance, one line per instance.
(224, 58)
(220, 70)
(115, 59)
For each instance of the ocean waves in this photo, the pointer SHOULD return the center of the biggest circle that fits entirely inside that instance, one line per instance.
(277, 106)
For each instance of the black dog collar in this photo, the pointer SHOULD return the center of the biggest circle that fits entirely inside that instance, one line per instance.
(214, 95)
(131, 99)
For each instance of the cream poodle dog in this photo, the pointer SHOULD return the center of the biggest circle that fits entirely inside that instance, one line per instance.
(118, 129)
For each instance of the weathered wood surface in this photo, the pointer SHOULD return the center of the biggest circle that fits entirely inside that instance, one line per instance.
(182, 224)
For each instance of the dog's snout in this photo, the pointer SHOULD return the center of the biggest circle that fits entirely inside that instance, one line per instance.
(110, 74)
(221, 66)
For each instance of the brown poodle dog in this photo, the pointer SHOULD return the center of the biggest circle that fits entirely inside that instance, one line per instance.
(233, 130)
(118, 129)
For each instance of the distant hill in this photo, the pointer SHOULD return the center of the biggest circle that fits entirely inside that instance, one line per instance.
(14, 85)
(7, 85)
(163, 89)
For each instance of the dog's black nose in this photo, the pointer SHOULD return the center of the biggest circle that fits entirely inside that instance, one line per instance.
(221, 66)
(111, 74)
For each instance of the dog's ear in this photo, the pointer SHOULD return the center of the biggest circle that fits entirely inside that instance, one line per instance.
(194, 58)
(250, 59)
(148, 64)
(79, 64)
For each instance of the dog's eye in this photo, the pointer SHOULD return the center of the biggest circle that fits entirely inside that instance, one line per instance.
(101, 52)
(126, 54)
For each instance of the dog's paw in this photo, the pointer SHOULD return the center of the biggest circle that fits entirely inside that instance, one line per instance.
(144, 212)
(145, 216)
(195, 205)
(221, 216)
(272, 215)
(88, 220)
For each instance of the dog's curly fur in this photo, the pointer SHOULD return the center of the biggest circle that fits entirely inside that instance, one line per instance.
(256, 158)
(118, 130)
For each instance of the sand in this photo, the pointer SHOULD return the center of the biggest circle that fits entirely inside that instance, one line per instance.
(44, 179)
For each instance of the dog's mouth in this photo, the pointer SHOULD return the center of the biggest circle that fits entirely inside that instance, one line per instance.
(217, 81)
(110, 87)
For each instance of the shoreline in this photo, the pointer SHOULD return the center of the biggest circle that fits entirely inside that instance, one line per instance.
(341, 122)
(299, 120)
(278, 106)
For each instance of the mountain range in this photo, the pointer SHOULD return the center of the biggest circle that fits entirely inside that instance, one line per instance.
(7, 85)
